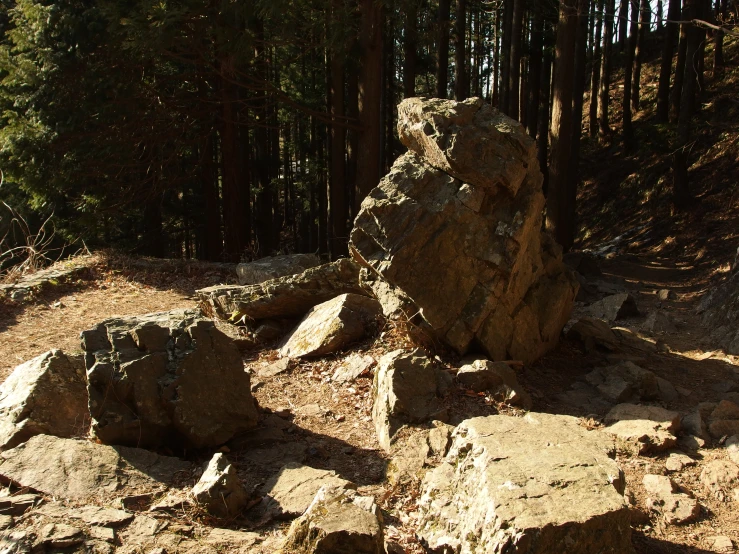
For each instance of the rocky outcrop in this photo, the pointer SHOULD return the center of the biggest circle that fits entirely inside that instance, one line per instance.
(78, 469)
(538, 484)
(407, 389)
(219, 489)
(331, 326)
(44, 396)
(456, 227)
(285, 297)
(273, 267)
(170, 378)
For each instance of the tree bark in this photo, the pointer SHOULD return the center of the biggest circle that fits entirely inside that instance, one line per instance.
(645, 21)
(604, 128)
(535, 64)
(665, 69)
(461, 86)
(514, 78)
(677, 87)
(370, 97)
(338, 207)
(505, 56)
(628, 129)
(623, 24)
(559, 209)
(230, 170)
(542, 138)
(718, 38)
(595, 76)
(410, 40)
(442, 57)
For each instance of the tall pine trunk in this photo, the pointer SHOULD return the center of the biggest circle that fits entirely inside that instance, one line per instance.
(604, 128)
(514, 78)
(461, 86)
(338, 223)
(535, 64)
(682, 49)
(542, 136)
(665, 68)
(641, 42)
(595, 76)
(442, 56)
(410, 40)
(628, 128)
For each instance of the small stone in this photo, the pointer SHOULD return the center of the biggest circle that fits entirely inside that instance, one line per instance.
(616, 306)
(725, 410)
(483, 375)
(665, 294)
(649, 428)
(107, 517)
(720, 477)
(224, 538)
(59, 535)
(219, 490)
(275, 368)
(691, 443)
(352, 367)
(677, 462)
(17, 505)
(659, 485)
(440, 437)
(268, 331)
(310, 411)
(667, 391)
(721, 544)
(106, 534)
(694, 424)
(723, 427)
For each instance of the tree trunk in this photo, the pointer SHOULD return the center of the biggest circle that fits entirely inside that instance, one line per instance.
(442, 61)
(410, 48)
(352, 143)
(604, 130)
(718, 38)
(233, 222)
(628, 129)
(153, 230)
(505, 56)
(660, 14)
(677, 87)
(641, 42)
(263, 209)
(496, 61)
(514, 77)
(623, 24)
(595, 76)
(370, 98)
(461, 88)
(559, 210)
(542, 138)
(338, 225)
(535, 64)
(665, 69)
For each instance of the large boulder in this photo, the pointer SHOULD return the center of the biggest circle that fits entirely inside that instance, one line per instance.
(533, 485)
(272, 267)
(284, 297)
(331, 326)
(43, 396)
(170, 378)
(456, 227)
(78, 469)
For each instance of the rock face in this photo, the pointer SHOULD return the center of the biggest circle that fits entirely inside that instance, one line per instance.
(78, 469)
(335, 524)
(720, 312)
(273, 267)
(219, 489)
(331, 326)
(44, 396)
(406, 390)
(168, 378)
(456, 227)
(538, 484)
(290, 296)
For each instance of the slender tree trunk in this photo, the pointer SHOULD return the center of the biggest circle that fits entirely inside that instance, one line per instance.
(153, 229)
(641, 41)
(263, 209)
(718, 38)
(442, 63)
(388, 102)
(370, 98)
(352, 143)
(623, 24)
(604, 128)
(338, 230)
(558, 220)
(535, 64)
(628, 129)
(542, 137)
(230, 169)
(505, 56)
(461, 88)
(595, 76)
(410, 40)
(514, 78)
(665, 69)
(496, 61)
(660, 12)
(677, 87)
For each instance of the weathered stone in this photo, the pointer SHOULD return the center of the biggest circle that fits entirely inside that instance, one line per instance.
(395, 303)
(143, 530)
(537, 484)
(6, 522)
(168, 378)
(676, 507)
(677, 462)
(440, 437)
(268, 330)
(291, 491)
(667, 391)
(649, 428)
(658, 323)
(272, 267)
(18, 504)
(408, 457)
(105, 517)
(725, 410)
(498, 377)
(720, 477)
(623, 382)
(284, 297)
(665, 294)
(219, 489)
(470, 255)
(275, 368)
(14, 542)
(593, 333)
(37, 281)
(732, 448)
(723, 428)
(721, 544)
(353, 366)
(334, 524)
(77, 469)
(694, 424)
(405, 391)
(58, 535)
(331, 326)
(616, 306)
(228, 539)
(690, 443)
(44, 396)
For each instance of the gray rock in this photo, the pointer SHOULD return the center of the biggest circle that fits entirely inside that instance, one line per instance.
(77, 469)
(664, 295)
(227, 539)
(720, 478)
(268, 330)
(440, 438)
(334, 524)
(18, 504)
(721, 544)
(469, 254)
(44, 396)
(498, 377)
(594, 333)
(667, 391)
(353, 366)
(275, 368)
(168, 378)
(676, 507)
(219, 489)
(395, 303)
(58, 535)
(694, 424)
(284, 297)
(142, 531)
(537, 484)
(405, 391)
(14, 542)
(408, 457)
(331, 326)
(676, 462)
(723, 428)
(272, 267)
(291, 491)
(98, 516)
(658, 323)
(624, 382)
(616, 306)
(648, 428)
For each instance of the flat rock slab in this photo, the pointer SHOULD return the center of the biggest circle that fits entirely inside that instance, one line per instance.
(79, 469)
(46, 395)
(616, 306)
(43, 279)
(292, 490)
(649, 428)
(331, 326)
(352, 367)
(272, 267)
(539, 484)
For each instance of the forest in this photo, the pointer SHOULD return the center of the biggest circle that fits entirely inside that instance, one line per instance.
(229, 131)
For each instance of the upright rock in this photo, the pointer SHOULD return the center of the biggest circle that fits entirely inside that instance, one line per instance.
(166, 378)
(456, 227)
(219, 489)
(44, 396)
(533, 485)
(272, 267)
